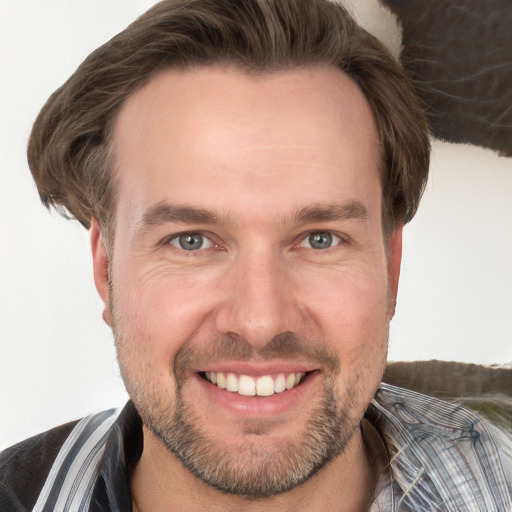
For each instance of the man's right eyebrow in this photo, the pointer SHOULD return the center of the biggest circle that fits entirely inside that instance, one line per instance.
(163, 213)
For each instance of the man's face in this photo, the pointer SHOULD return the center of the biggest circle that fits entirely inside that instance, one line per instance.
(249, 256)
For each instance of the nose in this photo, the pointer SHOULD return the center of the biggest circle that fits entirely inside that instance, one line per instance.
(258, 300)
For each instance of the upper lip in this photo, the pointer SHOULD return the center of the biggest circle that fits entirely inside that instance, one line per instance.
(257, 370)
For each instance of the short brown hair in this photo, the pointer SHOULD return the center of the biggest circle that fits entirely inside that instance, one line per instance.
(68, 151)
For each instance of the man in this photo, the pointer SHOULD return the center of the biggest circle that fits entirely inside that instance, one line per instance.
(245, 170)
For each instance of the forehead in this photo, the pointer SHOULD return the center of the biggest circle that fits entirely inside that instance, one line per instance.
(194, 134)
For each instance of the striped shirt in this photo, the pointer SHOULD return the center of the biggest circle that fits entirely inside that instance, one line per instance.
(442, 457)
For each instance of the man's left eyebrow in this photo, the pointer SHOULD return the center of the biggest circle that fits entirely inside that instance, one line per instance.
(353, 210)
(163, 213)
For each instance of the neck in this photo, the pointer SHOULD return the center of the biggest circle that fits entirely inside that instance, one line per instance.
(159, 482)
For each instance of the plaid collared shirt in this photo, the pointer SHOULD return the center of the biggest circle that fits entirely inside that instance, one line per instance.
(442, 457)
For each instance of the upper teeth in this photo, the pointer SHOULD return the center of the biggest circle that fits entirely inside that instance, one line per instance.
(246, 385)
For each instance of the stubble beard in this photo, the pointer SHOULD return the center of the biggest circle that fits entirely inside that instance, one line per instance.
(251, 469)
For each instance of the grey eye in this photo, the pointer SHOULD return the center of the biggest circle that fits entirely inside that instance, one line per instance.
(320, 240)
(191, 242)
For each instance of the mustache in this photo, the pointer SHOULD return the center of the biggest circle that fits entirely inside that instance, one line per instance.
(287, 346)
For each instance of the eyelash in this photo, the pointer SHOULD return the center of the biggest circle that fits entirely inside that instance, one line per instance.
(334, 238)
(205, 238)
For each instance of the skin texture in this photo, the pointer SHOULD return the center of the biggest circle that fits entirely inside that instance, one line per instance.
(255, 165)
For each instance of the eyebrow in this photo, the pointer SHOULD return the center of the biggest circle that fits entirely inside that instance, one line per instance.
(353, 210)
(162, 213)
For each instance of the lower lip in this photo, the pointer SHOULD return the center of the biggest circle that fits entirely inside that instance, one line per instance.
(259, 406)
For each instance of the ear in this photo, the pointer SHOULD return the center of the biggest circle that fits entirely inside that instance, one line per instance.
(100, 268)
(394, 262)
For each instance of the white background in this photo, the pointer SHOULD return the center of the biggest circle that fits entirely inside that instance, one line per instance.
(57, 359)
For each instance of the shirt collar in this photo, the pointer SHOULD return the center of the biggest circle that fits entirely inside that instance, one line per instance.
(123, 450)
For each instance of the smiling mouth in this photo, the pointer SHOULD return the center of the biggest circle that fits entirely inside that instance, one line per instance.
(245, 385)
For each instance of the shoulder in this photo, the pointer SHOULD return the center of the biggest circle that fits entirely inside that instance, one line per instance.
(459, 455)
(24, 467)
(422, 419)
(415, 412)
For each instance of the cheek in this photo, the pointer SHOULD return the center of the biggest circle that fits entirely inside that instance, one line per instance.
(352, 304)
(148, 337)
(159, 312)
(352, 312)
